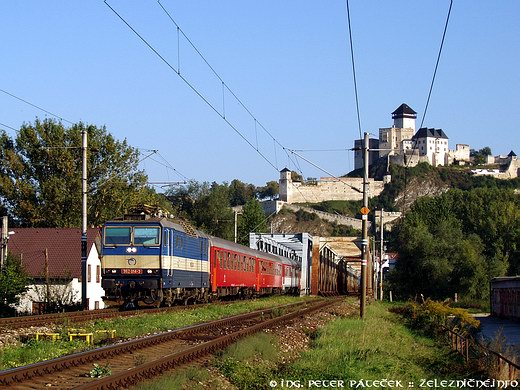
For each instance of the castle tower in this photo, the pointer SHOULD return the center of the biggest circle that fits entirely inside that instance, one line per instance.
(285, 185)
(404, 117)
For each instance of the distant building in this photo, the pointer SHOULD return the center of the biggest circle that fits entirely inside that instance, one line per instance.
(432, 143)
(402, 145)
(461, 154)
(373, 153)
(509, 167)
(397, 139)
(326, 188)
(52, 259)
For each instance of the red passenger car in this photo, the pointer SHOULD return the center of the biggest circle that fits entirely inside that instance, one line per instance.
(237, 270)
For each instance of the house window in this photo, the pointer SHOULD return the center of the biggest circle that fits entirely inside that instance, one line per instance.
(96, 305)
(98, 274)
(89, 273)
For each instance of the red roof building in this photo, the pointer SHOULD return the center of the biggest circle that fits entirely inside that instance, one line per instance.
(53, 256)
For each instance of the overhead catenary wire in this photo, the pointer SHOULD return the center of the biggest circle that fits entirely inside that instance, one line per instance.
(437, 63)
(38, 107)
(330, 174)
(353, 69)
(187, 82)
(433, 79)
(61, 118)
(225, 86)
(180, 32)
(9, 127)
(426, 105)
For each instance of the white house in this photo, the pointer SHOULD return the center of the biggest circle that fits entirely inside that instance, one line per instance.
(51, 257)
(432, 143)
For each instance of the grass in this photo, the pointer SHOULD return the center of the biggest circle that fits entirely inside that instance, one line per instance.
(189, 378)
(34, 351)
(249, 364)
(378, 347)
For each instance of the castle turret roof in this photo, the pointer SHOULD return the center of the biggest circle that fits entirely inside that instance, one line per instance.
(404, 110)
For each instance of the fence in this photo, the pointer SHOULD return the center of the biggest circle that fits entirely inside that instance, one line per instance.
(499, 366)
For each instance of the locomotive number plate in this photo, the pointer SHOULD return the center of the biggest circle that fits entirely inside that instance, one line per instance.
(131, 271)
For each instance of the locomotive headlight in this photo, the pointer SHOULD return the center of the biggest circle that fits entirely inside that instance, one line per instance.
(131, 250)
(149, 271)
(114, 271)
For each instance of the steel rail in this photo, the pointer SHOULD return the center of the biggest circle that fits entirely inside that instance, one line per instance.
(158, 367)
(21, 374)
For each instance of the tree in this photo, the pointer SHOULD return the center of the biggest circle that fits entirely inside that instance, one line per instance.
(270, 190)
(212, 213)
(295, 176)
(240, 193)
(480, 156)
(438, 261)
(253, 220)
(40, 179)
(13, 283)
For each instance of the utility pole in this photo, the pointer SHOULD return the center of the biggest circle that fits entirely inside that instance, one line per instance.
(381, 252)
(364, 227)
(84, 301)
(236, 222)
(5, 237)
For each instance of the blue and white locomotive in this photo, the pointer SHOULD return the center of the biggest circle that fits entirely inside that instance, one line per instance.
(153, 261)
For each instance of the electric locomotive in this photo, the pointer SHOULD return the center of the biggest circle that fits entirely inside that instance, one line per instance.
(153, 260)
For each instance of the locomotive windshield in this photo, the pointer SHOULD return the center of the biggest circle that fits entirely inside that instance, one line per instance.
(146, 236)
(118, 235)
(123, 235)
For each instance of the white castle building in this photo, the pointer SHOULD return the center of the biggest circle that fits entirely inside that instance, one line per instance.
(402, 145)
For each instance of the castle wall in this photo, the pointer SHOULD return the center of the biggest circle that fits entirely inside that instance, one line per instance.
(327, 188)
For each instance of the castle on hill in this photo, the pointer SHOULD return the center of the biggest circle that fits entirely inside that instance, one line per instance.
(402, 145)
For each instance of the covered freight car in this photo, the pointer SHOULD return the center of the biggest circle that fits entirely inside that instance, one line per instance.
(505, 297)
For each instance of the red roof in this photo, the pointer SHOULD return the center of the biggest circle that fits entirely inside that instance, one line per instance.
(63, 247)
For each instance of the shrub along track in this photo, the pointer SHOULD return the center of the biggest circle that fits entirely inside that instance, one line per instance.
(77, 316)
(73, 317)
(133, 361)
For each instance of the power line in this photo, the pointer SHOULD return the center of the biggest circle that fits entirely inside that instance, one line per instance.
(67, 121)
(426, 106)
(9, 127)
(437, 63)
(322, 150)
(35, 106)
(353, 69)
(328, 173)
(189, 84)
(224, 84)
(201, 96)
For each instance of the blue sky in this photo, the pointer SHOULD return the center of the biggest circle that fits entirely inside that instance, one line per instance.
(287, 61)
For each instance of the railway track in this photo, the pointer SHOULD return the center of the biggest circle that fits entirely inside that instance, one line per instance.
(79, 316)
(136, 360)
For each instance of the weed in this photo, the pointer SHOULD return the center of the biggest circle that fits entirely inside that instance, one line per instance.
(139, 359)
(100, 371)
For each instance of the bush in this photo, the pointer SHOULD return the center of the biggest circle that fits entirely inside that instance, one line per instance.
(434, 317)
